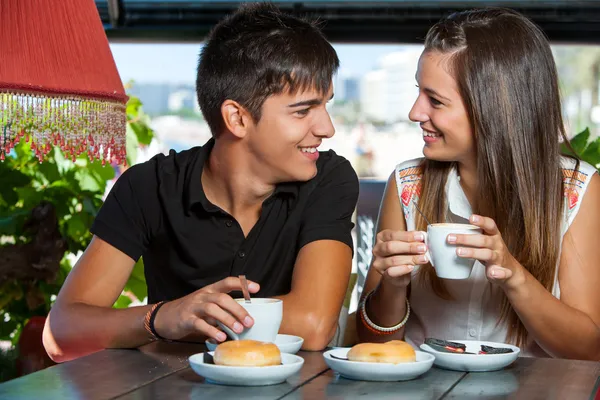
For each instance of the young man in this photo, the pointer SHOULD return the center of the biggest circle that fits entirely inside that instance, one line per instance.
(258, 199)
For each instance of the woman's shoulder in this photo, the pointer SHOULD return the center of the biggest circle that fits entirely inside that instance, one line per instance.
(409, 171)
(576, 179)
(574, 174)
(408, 181)
(569, 166)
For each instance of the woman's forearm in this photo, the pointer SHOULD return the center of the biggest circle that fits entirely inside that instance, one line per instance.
(558, 328)
(386, 307)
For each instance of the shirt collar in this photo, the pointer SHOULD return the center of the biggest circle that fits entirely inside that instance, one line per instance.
(457, 200)
(195, 192)
(290, 188)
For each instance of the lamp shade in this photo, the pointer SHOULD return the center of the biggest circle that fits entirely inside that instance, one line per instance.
(59, 85)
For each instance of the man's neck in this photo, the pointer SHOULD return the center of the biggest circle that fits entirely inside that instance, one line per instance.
(228, 181)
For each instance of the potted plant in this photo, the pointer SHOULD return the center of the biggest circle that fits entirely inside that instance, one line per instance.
(46, 211)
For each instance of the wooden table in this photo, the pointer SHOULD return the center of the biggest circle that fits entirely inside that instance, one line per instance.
(161, 370)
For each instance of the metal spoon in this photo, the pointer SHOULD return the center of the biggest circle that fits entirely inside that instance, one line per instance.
(339, 358)
(419, 210)
(245, 289)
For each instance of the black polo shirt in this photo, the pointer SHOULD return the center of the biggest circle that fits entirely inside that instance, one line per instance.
(158, 210)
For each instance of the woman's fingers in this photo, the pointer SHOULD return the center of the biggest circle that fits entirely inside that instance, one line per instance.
(391, 248)
(401, 270)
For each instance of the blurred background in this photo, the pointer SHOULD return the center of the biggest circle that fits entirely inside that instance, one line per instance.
(156, 46)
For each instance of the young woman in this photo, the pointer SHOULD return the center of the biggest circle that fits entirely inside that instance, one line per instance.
(490, 112)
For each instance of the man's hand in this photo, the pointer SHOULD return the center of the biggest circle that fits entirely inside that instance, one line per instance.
(198, 312)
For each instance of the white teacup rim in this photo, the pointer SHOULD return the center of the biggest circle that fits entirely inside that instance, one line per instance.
(259, 300)
(452, 225)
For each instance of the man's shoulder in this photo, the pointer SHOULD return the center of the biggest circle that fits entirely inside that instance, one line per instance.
(162, 165)
(333, 167)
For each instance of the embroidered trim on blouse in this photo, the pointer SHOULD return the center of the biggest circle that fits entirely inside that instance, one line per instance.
(574, 181)
(409, 179)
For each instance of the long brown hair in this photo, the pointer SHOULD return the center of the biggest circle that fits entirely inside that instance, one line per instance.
(507, 78)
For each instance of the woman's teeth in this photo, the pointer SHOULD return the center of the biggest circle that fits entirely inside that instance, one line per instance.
(430, 134)
(308, 149)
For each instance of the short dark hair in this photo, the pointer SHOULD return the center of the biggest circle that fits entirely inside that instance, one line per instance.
(259, 51)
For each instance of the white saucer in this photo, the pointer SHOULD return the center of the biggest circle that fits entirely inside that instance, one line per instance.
(367, 371)
(474, 362)
(287, 344)
(247, 376)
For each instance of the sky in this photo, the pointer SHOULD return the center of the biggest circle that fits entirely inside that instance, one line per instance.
(176, 63)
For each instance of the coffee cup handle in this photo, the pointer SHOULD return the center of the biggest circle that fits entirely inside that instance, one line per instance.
(229, 332)
(427, 253)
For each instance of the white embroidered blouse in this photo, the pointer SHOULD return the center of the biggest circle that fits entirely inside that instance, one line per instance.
(474, 312)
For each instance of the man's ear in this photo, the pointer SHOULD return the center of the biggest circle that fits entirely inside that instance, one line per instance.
(237, 119)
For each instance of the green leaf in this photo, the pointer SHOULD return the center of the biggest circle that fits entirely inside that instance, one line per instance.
(122, 302)
(102, 173)
(16, 334)
(133, 107)
(87, 181)
(579, 142)
(10, 292)
(13, 178)
(137, 281)
(30, 196)
(9, 225)
(143, 132)
(10, 197)
(89, 206)
(77, 226)
(62, 164)
(7, 327)
(50, 171)
(138, 270)
(132, 144)
(592, 153)
(71, 179)
(23, 150)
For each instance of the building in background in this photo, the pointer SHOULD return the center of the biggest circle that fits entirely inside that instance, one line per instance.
(163, 98)
(388, 93)
(348, 89)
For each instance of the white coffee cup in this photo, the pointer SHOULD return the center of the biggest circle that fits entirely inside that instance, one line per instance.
(442, 255)
(267, 315)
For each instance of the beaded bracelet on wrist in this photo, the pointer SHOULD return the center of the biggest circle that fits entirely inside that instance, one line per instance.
(376, 329)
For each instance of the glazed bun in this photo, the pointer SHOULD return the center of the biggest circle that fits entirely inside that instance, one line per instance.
(247, 353)
(392, 352)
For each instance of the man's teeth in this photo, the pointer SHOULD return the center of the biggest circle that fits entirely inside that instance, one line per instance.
(425, 133)
(308, 149)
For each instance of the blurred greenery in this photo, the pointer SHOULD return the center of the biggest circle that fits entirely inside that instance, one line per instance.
(585, 149)
(8, 367)
(579, 71)
(76, 189)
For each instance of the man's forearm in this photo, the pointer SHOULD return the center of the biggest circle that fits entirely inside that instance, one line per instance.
(79, 329)
(314, 326)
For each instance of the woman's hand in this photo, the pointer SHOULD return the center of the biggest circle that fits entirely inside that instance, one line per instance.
(489, 248)
(396, 253)
(198, 312)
